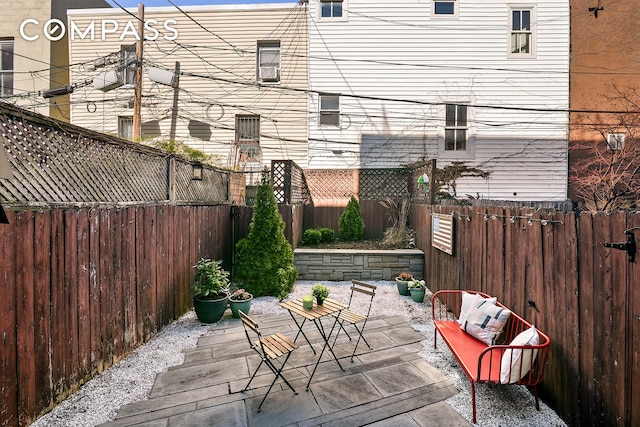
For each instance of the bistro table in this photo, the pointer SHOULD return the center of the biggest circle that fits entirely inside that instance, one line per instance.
(315, 314)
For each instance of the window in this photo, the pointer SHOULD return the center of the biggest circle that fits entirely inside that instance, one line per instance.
(331, 9)
(444, 7)
(125, 127)
(521, 33)
(615, 141)
(455, 130)
(248, 137)
(269, 61)
(329, 110)
(128, 63)
(6, 68)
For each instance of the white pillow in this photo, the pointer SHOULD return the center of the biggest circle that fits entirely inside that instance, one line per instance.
(513, 360)
(485, 321)
(471, 300)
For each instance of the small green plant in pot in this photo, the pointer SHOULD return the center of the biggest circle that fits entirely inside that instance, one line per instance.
(417, 289)
(402, 283)
(320, 291)
(210, 289)
(240, 300)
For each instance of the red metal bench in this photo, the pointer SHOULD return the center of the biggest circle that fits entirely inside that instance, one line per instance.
(479, 361)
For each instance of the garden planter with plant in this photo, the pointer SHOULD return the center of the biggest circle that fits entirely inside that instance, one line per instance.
(320, 292)
(417, 289)
(402, 283)
(240, 300)
(210, 289)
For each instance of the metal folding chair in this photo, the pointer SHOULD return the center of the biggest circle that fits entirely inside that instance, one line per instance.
(354, 318)
(269, 348)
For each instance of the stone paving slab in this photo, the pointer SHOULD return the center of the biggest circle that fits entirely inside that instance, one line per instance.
(387, 385)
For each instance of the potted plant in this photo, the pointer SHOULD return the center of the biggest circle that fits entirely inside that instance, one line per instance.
(240, 300)
(417, 289)
(320, 291)
(402, 283)
(210, 288)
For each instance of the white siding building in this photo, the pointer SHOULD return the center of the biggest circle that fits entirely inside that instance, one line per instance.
(242, 90)
(393, 83)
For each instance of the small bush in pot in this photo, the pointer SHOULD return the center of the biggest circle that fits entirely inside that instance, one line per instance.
(320, 291)
(240, 300)
(211, 290)
(417, 289)
(402, 283)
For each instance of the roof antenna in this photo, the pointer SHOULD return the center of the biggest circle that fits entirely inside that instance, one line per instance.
(596, 9)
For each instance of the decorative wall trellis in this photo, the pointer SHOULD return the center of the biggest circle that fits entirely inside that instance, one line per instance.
(55, 163)
(292, 185)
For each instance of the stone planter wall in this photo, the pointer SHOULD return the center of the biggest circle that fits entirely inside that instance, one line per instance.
(348, 264)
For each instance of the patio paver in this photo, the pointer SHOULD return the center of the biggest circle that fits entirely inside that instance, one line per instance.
(389, 385)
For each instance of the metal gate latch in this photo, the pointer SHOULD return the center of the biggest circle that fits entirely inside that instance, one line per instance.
(629, 245)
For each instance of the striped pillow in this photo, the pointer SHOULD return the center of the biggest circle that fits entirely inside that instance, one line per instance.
(485, 321)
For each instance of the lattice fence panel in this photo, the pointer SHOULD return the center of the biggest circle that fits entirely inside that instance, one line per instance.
(57, 163)
(379, 184)
(328, 184)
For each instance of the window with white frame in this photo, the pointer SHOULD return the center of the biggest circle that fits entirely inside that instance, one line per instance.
(455, 130)
(6, 67)
(521, 43)
(128, 62)
(248, 137)
(615, 141)
(331, 9)
(125, 127)
(329, 110)
(444, 7)
(269, 61)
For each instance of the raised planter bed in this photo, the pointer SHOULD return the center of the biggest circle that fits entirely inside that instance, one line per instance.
(359, 264)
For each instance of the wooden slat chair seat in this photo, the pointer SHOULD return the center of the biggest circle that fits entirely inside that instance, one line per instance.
(359, 289)
(269, 348)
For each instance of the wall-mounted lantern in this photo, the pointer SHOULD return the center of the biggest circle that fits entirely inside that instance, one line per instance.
(198, 171)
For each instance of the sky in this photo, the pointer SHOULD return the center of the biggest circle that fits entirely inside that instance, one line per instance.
(153, 3)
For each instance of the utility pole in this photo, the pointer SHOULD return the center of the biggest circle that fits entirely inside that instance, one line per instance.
(174, 110)
(137, 97)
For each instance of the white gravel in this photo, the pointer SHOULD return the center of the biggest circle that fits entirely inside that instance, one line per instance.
(131, 380)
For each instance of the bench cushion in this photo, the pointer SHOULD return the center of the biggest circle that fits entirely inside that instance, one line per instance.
(467, 349)
(471, 300)
(485, 321)
(516, 363)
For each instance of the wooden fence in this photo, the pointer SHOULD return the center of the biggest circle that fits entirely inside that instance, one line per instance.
(82, 288)
(553, 270)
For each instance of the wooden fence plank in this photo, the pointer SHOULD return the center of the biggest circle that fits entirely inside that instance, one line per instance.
(8, 322)
(83, 273)
(42, 308)
(25, 326)
(70, 311)
(587, 314)
(105, 286)
(59, 328)
(116, 292)
(632, 374)
(128, 250)
(95, 306)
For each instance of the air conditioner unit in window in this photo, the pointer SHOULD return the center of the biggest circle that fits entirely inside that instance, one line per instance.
(107, 81)
(269, 74)
(615, 141)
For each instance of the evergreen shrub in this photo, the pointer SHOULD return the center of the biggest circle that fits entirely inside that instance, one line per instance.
(264, 259)
(327, 234)
(311, 237)
(351, 225)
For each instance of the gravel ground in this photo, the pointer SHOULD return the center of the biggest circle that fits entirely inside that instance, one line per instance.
(131, 380)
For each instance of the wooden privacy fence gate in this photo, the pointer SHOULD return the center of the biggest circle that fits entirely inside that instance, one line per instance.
(554, 270)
